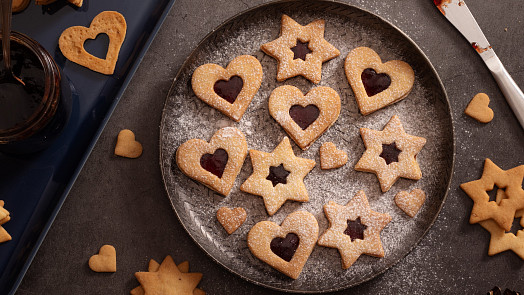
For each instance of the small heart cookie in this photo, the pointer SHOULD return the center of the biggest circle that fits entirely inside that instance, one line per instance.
(410, 202)
(287, 247)
(72, 40)
(231, 219)
(304, 117)
(215, 164)
(331, 157)
(127, 146)
(105, 260)
(374, 83)
(478, 108)
(228, 90)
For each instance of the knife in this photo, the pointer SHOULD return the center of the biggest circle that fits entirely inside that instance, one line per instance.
(457, 12)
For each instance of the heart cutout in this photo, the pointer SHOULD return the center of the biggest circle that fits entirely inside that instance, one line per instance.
(264, 234)
(366, 73)
(219, 88)
(72, 41)
(189, 159)
(287, 100)
(410, 202)
(331, 157)
(105, 260)
(231, 219)
(215, 163)
(478, 108)
(127, 146)
(285, 248)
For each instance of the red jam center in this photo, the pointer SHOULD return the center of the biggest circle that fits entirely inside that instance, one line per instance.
(230, 89)
(304, 116)
(301, 50)
(374, 83)
(355, 230)
(215, 163)
(278, 175)
(285, 248)
(390, 153)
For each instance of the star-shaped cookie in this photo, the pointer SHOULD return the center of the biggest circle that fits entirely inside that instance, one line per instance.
(300, 50)
(390, 153)
(338, 235)
(501, 240)
(278, 176)
(501, 212)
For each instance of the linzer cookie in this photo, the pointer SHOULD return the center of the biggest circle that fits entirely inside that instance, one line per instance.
(374, 83)
(229, 90)
(300, 50)
(501, 240)
(354, 229)
(278, 176)
(304, 117)
(331, 157)
(287, 247)
(390, 153)
(215, 164)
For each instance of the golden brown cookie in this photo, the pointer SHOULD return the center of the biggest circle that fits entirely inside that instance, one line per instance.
(501, 240)
(229, 90)
(354, 229)
(4, 217)
(287, 247)
(78, 3)
(374, 83)
(72, 40)
(300, 50)
(105, 260)
(331, 157)
(390, 153)
(478, 108)
(304, 117)
(231, 219)
(410, 202)
(19, 5)
(278, 176)
(127, 146)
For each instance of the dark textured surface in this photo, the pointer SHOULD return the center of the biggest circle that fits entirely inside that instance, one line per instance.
(122, 201)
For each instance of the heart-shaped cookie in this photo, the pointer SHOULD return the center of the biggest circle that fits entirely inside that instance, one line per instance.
(204, 162)
(410, 202)
(127, 146)
(228, 90)
(105, 260)
(304, 117)
(331, 157)
(72, 40)
(231, 219)
(374, 83)
(478, 108)
(286, 247)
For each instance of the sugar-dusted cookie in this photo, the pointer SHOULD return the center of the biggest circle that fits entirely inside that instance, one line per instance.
(501, 240)
(127, 146)
(105, 260)
(228, 90)
(478, 108)
(390, 153)
(501, 212)
(287, 247)
(231, 219)
(374, 83)
(304, 117)
(278, 176)
(331, 157)
(215, 164)
(354, 229)
(300, 50)
(410, 202)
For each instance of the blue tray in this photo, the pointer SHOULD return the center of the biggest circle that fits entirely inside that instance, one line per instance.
(35, 186)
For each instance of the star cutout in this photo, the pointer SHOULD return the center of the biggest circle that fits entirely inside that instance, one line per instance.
(501, 212)
(406, 166)
(502, 241)
(275, 196)
(338, 216)
(291, 35)
(168, 280)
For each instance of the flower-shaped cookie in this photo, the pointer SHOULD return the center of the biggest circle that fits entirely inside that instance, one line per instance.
(300, 50)
(278, 176)
(354, 229)
(390, 153)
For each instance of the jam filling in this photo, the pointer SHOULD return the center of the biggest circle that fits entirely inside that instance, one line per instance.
(230, 89)
(355, 230)
(215, 163)
(304, 116)
(374, 83)
(278, 175)
(301, 50)
(390, 153)
(285, 248)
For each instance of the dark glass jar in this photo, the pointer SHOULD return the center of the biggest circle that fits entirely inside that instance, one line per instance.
(31, 120)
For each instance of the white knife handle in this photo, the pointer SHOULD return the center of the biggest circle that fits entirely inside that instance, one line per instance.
(511, 91)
